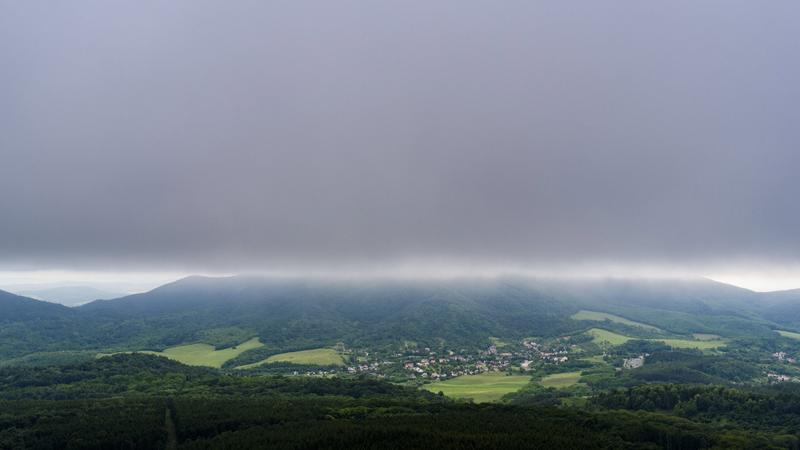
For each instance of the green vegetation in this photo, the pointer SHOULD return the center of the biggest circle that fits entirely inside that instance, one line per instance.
(313, 357)
(601, 316)
(561, 380)
(497, 342)
(706, 336)
(137, 401)
(789, 334)
(601, 336)
(54, 394)
(485, 387)
(204, 354)
(688, 343)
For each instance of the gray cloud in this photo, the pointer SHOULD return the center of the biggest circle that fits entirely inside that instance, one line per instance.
(225, 135)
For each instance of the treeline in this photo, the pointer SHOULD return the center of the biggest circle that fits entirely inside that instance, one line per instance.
(775, 410)
(142, 401)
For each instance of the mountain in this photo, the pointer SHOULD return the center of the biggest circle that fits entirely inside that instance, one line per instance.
(16, 308)
(295, 313)
(69, 295)
(28, 325)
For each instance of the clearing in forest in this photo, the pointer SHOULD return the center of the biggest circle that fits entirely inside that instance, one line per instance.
(601, 316)
(481, 388)
(561, 380)
(204, 354)
(313, 357)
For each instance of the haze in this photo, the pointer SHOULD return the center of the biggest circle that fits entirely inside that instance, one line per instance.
(200, 137)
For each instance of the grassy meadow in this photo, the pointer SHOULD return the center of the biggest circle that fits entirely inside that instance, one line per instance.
(789, 334)
(688, 343)
(561, 380)
(206, 355)
(315, 357)
(601, 316)
(601, 336)
(482, 388)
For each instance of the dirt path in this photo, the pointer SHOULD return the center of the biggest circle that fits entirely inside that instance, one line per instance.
(172, 435)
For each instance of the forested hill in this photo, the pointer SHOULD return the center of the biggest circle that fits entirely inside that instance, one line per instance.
(18, 308)
(303, 313)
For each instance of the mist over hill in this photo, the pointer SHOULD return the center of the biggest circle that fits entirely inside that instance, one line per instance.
(298, 313)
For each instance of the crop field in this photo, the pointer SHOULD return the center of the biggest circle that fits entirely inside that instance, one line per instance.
(789, 334)
(316, 357)
(206, 355)
(482, 388)
(561, 380)
(601, 316)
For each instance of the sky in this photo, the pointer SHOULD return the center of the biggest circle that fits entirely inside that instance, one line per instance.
(412, 136)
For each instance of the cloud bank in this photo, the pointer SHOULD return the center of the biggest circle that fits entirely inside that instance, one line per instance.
(226, 136)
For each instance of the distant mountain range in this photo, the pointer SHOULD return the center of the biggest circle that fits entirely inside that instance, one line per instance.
(69, 295)
(298, 313)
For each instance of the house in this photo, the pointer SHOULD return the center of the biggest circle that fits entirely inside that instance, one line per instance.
(633, 363)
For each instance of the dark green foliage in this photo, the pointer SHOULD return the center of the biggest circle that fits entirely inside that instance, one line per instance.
(197, 408)
(767, 410)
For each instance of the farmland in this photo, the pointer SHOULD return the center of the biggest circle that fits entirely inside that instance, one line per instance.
(601, 336)
(482, 388)
(689, 343)
(316, 357)
(206, 355)
(789, 334)
(561, 380)
(601, 316)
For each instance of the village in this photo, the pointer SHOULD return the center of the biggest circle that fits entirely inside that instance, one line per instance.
(423, 364)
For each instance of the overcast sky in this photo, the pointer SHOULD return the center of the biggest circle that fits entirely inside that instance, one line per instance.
(229, 136)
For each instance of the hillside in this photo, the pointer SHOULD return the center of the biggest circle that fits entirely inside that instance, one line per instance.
(296, 314)
(15, 308)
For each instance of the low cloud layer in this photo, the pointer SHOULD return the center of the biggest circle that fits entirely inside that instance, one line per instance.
(233, 135)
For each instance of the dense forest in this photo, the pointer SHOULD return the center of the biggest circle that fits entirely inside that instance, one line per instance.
(142, 402)
(296, 314)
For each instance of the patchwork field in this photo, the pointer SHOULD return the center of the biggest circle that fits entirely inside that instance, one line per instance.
(601, 336)
(482, 388)
(316, 357)
(789, 334)
(601, 316)
(206, 355)
(561, 380)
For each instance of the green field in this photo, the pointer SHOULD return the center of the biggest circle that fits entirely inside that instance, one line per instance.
(705, 336)
(315, 357)
(602, 336)
(482, 388)
(561, 380)
(789, 334)
(601, 316)
(497, 342)
(206, 355)
(596, 359)
(688, 343)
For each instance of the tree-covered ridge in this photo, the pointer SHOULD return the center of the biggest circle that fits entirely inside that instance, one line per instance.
(151, 402)
(292, 315)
